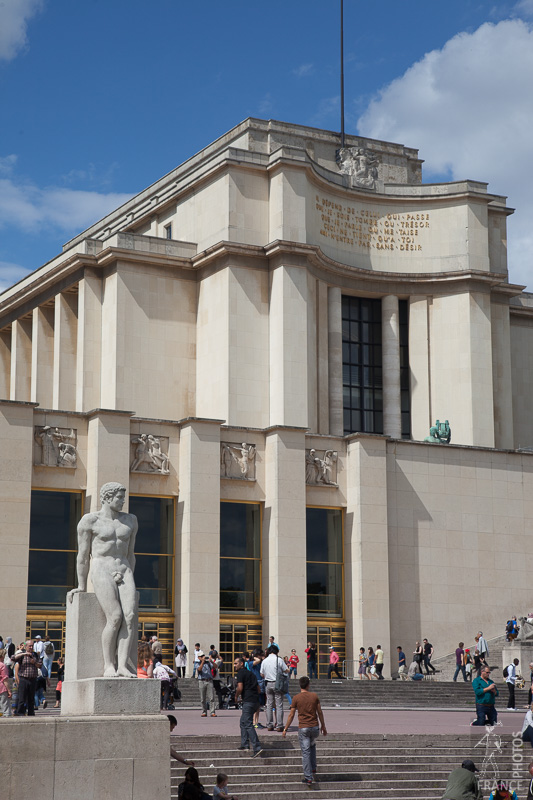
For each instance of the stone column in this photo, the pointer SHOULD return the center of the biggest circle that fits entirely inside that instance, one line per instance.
(20, 385)
(197, 573)
(288, 347)
(88, 361)
(42, 357)
(366, 547)
(108, 453)
(284, 563)
(461, 366)
(390, 349)
(501, 375)
(65, 340)
(336, 423)
(16, 446)
(419, 367)
(5, 363)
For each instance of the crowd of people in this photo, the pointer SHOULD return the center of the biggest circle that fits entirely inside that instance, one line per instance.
(25, 673)
(261, 683)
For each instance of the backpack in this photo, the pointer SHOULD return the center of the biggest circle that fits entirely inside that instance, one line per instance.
(505, 672)
(49, 649)
(282, 681)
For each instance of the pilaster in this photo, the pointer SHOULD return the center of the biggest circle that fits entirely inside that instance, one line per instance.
(89, 346)
(284, 539)
(366, 556)
(288, 347)
(390, 330)
(108, 453)
(336, 423)
(16, 446)
(5, 364)
(419, 367)
(65, 340)
(20, 384)
(42, 358)
(197, 572)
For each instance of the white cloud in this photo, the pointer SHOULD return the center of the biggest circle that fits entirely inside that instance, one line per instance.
(303, 70)
(524, 8)
(14, 17)
(26, 206)
(469, 109)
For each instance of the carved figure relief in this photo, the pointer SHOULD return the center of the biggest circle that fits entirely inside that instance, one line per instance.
(148, 454)
(56, 447)
(237, 460)
(321, 471)
(360, 164)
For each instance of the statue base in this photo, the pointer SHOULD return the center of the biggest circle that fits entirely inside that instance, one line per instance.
(102, 696)
(523, 651)
(83, 649)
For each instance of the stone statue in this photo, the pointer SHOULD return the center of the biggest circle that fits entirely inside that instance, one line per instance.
(321, 471)
(149, 457)
(525, 634)
(439, 433)
(107, 538)
(360, 164)
(237, 460)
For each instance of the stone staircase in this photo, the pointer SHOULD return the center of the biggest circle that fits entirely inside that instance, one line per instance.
(392, 767)
(446, 664)
(378, 694)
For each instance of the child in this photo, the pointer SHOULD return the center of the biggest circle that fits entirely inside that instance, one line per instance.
(220, 792)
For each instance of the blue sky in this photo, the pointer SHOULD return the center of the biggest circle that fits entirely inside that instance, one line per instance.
(100, 98)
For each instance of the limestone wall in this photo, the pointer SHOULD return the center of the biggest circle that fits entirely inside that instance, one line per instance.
(459, 541)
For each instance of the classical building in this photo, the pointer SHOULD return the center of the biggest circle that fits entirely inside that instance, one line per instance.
(257, 346)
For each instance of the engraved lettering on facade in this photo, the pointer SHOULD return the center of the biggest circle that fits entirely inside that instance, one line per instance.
(369, 229)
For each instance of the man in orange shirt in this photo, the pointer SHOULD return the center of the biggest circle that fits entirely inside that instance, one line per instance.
(309, 714)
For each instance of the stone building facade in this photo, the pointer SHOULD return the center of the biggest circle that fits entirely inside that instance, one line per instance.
(257, 346)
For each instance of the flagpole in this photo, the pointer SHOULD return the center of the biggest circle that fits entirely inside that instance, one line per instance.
(342, 73)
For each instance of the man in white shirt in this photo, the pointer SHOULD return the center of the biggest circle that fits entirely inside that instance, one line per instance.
(510, 680)
(38, 647)
(482, 646)
(271, 667)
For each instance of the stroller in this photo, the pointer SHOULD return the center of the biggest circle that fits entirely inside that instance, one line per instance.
(228, 694)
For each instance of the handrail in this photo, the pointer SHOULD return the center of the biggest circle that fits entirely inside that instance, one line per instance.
(440, 658)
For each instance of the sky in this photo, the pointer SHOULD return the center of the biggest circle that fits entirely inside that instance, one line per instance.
(100, 98)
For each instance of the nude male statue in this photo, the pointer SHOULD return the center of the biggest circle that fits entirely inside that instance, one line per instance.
(108, 536)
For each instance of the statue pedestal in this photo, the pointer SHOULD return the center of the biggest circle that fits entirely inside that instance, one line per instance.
(523, 651)
(102, 696)
(83, 644)
(85, 691)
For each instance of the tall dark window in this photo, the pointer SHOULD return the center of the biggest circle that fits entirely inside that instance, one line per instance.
(154, 551)
(404, 369)
(54, 518)
(362, 375)
(240, 557)
(324, 562)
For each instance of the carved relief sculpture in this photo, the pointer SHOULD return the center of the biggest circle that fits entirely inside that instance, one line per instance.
(360, 164)
(321, 471)
(106, 545)
(237, 460)
(149, 455)
(57, 446)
